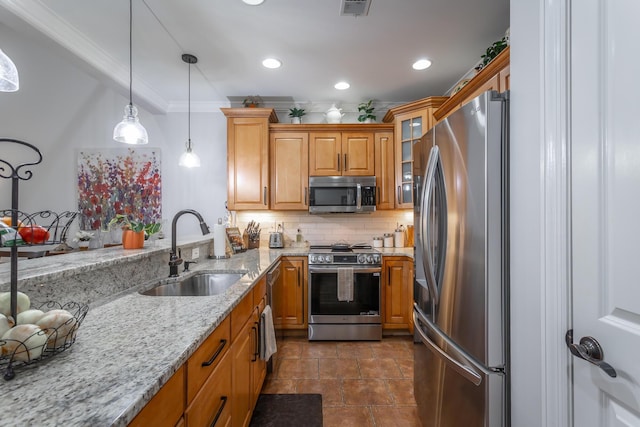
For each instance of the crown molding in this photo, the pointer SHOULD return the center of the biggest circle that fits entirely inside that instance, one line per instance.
(42, 18)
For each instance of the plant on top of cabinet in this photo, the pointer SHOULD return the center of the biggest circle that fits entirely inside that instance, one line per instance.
(252, 101)
(366, 112)
(296, 114)
(492, 52)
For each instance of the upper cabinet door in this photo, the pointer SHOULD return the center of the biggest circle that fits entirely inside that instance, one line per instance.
(385, 168)
(289, 153)
(358, 154)
(248, 157)
(325, 153)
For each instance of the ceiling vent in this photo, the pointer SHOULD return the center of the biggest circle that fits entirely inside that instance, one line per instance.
(355, 7)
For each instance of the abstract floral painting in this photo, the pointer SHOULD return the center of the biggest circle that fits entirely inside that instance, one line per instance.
(119, 181)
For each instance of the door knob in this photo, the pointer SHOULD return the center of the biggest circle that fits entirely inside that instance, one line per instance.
(590, 350)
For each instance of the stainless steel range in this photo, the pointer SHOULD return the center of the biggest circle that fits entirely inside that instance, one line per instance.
(344, 293)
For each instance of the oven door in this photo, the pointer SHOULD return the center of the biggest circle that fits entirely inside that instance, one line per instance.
(324, 306)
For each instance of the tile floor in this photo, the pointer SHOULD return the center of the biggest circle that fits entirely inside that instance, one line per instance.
(363, 383)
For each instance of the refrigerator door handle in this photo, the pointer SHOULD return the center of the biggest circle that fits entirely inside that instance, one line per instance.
(428, 185)
(466, 369)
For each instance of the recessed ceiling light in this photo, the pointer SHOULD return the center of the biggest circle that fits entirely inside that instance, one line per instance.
(253, 2)
(271, 63)
(342, 85)
(421, 64)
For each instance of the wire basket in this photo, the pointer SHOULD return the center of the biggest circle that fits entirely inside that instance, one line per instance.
(38, 344)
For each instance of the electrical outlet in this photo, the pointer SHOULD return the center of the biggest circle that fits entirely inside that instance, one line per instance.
(195, 253)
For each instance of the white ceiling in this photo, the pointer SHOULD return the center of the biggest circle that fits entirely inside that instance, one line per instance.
(317, 46)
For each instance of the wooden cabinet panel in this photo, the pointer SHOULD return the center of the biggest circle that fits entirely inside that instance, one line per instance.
(505, 78)
(325, 150)
(212, 404)
(358, 154)
(167, 406)
(289, 153)
(205, 359)
(242, 352)
(294, 295)
(385, 170)
(240, 314)
(397, 292)
(248, 157)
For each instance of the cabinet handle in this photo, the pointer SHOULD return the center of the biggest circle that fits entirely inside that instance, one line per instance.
(216, 354)
(223, 399)
(264, 195)
(345, 162)
(338, 161)
(299, 279)
(305, 196)
(399, 195)
(255, 330)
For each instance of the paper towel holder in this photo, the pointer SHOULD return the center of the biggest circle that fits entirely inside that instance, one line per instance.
(211, 254)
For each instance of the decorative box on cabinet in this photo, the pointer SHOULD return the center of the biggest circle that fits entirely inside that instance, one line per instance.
(411, 121)
(248, 157)
(397, 292)
(494, 76)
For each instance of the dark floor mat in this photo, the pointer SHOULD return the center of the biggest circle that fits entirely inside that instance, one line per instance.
(288, 410)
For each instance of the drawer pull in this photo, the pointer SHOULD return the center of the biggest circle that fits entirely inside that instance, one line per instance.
(220, 409)
(209, 362)
(256, 353)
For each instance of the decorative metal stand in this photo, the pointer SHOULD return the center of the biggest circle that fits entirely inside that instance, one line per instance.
(58, 227)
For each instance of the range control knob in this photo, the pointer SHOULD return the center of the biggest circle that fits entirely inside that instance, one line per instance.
(327, 258)
(312, 258)
(362, 259)
(369, 259)
(376, 259)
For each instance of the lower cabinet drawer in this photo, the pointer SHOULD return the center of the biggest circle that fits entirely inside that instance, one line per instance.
(207, 357)
(212, 405)
(166, 407)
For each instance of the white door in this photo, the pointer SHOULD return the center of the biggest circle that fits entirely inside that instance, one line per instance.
(605, 162)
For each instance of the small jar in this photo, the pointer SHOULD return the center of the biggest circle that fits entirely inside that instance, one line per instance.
(388, 240)
(377, 242)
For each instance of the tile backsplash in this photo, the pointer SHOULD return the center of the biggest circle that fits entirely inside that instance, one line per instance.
(326, 229)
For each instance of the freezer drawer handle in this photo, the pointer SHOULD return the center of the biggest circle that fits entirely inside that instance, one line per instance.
(590, 350)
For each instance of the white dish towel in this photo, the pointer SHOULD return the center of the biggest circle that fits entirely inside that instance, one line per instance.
(345, 284)
(267, 334)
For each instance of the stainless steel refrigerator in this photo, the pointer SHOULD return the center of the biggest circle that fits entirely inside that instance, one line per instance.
(461, 296)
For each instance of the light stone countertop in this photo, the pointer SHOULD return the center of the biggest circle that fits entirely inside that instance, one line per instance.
(127, 348)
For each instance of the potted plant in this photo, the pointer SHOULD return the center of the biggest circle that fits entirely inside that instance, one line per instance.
(366, 112)
(251, 101)
(491, 52)
(134, 233)
(83, 238)
(296, 114)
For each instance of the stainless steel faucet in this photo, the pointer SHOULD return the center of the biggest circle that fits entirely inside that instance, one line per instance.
(174, 259)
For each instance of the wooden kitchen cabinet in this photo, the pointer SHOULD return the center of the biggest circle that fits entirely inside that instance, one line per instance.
(212, 403)
(385, 170)
(341, 153)
(248, 157)
(289, 157)
(494, 76)
(248, 371)
(411, 122)
(167, 406)
(397, 292)
(293, 271)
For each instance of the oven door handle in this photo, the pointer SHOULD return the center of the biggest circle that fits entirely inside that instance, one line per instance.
(356, 270)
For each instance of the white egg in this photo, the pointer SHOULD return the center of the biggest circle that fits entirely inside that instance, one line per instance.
(24, 342)
(30, 316)
(6, 323)
(60, 326)
(5, 303)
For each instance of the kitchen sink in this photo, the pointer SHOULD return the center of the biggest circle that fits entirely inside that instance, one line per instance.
(200, 284)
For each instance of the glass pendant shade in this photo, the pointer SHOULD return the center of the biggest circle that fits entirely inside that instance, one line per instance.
(129, 130)
(9, 81)
(189, 159)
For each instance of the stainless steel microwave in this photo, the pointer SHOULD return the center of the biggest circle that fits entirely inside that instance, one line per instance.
(341, 194)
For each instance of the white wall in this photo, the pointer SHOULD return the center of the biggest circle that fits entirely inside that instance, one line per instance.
(60, 109)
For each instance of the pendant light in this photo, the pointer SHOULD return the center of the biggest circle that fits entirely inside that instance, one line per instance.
(8, 74)
(129, 130)
(189, 159)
